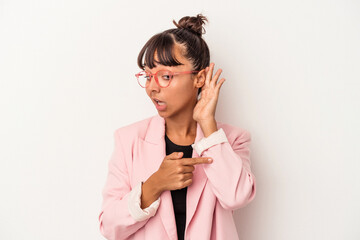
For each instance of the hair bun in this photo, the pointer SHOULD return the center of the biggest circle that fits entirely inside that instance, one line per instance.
(194, 24)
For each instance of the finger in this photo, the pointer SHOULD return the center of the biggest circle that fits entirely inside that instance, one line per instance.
(215, 78)
(175, 155)
(188, 168)
(209, 74)
(187, 183)
(220, 83)
(193, 161)
(187, 176)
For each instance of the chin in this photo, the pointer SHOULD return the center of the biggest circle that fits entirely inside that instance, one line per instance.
(162, 114)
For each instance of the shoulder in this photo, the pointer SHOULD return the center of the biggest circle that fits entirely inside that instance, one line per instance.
(234, 133)
(135, 129)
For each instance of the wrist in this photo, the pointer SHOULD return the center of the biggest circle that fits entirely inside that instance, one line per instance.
(206, 120)
(154, 185)
(208, 126)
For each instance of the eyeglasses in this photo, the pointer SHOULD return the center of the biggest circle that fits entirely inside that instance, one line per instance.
(162, 77)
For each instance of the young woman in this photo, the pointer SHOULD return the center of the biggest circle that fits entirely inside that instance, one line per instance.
(161, 183)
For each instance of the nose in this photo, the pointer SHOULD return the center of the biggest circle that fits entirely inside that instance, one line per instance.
(153, 85)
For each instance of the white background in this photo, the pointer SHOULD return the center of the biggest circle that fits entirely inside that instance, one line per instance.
(292, 79)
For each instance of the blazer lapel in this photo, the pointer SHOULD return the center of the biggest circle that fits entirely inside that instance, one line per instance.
(154, 144)
(199, 179)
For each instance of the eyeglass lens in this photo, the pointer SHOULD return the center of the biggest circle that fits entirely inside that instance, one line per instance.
(163, 77)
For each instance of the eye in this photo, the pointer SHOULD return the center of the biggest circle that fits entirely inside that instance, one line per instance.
(147, 76)
(166, 75)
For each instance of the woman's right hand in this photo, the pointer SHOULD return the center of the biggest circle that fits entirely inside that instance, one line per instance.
(176, 172)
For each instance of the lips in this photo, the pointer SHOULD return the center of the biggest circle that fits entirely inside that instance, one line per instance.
(157, 100)
(161, 106)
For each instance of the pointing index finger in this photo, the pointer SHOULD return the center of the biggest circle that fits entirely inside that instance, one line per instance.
(198, 160)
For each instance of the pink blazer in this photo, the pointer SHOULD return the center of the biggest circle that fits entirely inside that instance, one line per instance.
(216, 191)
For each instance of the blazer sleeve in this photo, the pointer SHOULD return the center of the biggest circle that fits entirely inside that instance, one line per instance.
(116, 218)
(230, 174)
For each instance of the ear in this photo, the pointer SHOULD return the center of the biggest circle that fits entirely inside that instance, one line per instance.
(200, 78)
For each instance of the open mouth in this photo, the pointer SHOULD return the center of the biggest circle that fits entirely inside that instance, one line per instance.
(158, 101)
(161, 106)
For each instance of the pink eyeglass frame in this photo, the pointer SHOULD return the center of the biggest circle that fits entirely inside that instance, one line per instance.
(156, 79)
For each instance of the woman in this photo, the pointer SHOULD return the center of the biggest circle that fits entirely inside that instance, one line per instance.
(158, 187)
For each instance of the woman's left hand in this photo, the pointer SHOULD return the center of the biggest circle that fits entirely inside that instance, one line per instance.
(206, 105)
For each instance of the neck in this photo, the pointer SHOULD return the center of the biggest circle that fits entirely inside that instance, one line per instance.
(181, 125)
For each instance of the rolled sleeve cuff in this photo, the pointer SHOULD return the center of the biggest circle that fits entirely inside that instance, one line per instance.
(134, 205)
(213, 139)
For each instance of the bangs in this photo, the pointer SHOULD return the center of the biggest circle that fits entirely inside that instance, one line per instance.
(163, 44)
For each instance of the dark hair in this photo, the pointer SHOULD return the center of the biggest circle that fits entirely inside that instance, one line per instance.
(188, 34)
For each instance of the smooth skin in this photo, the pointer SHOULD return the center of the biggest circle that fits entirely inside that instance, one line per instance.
(183, 111)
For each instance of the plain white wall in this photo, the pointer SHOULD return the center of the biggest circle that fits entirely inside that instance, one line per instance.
(67, 82)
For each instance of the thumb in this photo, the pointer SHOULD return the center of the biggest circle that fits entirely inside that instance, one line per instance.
(176, 155)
